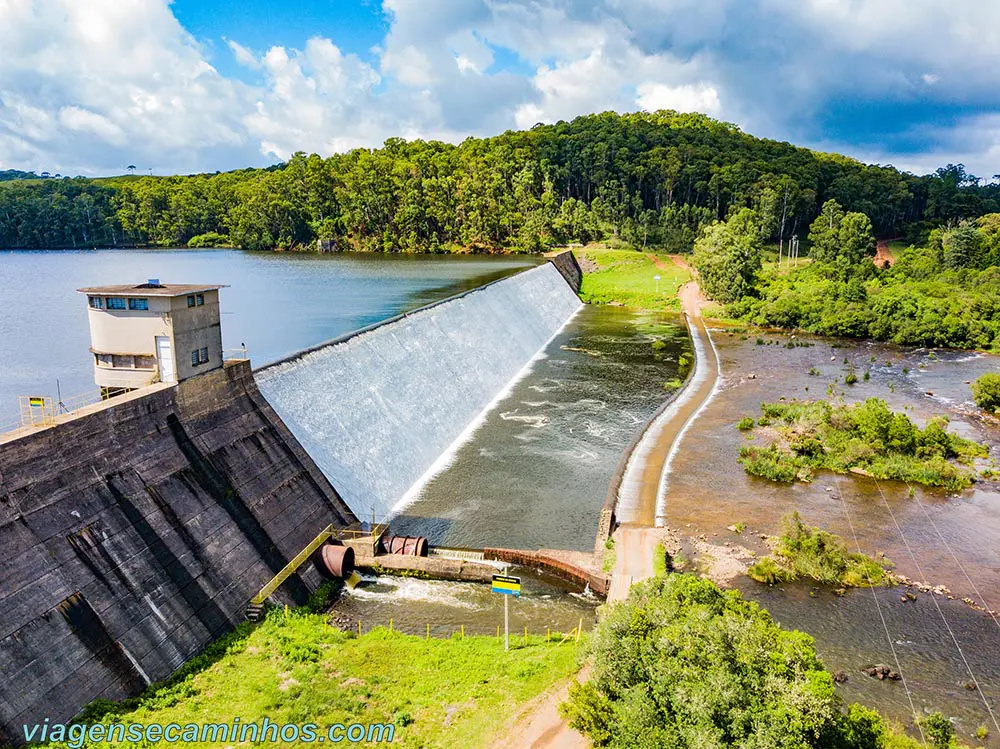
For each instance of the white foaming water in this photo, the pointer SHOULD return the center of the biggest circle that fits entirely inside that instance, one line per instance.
(661, 491)
(385, 410)
(442, 593)
(628, 491)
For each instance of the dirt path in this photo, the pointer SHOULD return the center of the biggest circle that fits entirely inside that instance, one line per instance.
(883, 255)
(539, 726)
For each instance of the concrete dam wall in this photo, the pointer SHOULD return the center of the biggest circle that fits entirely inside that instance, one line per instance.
(379, 410)
(133, 536)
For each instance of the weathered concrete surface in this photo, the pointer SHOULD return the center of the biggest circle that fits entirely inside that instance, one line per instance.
(438, 568)
(135, 534)
(569, 268)
(573, 566)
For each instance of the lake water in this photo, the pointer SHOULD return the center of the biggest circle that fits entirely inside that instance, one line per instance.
(275, 303)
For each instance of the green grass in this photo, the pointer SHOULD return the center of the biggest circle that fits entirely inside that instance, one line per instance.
(660, 560)
(627, 277)
(804, 551)
(863, 437)
(610, 556)
(439, 693)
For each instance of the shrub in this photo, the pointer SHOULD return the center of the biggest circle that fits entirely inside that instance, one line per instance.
(684, 664)
(209, 239)
(986, 392)
(767, 571)
(745, 424)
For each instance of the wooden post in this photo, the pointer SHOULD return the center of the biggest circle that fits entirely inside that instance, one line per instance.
(390, 626)
(579, 629)
(463, 631)
(428, 630)
(359, 628)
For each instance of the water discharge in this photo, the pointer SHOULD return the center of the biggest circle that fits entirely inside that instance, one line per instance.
(382, 410)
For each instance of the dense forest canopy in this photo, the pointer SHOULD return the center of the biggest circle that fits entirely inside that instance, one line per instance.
(651, 179)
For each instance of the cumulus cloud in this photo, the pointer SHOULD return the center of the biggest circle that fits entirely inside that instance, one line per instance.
(91, 85)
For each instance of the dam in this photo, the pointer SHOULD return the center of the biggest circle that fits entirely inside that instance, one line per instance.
(381, 410)
(135, 530)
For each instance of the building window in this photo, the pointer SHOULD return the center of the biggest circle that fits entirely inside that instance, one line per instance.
(194, 358)
(200, 299)
(96, 302)
(115, 302)
(191, 301)
(199, 356)
(105, 360)
(123, 361)
(145, 362)
(140, 304)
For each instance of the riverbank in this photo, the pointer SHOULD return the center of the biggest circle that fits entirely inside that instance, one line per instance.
(296, 668)
(628, 278)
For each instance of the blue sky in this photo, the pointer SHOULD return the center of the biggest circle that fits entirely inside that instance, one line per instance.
(89, 86)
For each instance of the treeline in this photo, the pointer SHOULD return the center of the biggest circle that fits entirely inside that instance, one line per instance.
(944, 293)
(651, 180)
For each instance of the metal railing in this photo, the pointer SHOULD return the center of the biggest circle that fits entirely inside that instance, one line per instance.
(40, 411)
(235, 354)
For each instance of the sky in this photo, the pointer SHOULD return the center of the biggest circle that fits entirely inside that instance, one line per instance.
(92, 86)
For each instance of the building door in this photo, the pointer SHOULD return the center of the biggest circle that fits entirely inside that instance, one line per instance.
(165, 359)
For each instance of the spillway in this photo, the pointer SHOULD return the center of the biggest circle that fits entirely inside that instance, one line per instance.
(380, 410)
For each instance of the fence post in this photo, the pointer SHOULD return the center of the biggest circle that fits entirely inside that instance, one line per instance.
(390, 626)
(359, 628)
(463, 631)
(579, 629)
(428, 630)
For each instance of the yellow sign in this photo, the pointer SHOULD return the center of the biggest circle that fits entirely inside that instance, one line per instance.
(36, 402)
(510, 586)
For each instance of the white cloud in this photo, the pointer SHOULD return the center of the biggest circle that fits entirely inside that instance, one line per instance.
(686, 98)
(92, 85)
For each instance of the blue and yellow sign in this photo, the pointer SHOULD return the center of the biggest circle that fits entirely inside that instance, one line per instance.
(36, 402)
(509, 586)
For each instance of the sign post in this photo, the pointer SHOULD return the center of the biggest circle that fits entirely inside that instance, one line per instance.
(507, 586)
(657, 279)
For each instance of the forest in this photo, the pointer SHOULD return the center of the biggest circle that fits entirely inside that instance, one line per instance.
(647, 180)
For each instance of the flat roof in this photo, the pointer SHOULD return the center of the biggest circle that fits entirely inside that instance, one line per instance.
(147, 289)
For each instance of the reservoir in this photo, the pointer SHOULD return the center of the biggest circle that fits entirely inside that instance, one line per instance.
(276, 303)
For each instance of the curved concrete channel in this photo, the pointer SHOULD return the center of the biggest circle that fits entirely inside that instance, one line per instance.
(643, 491)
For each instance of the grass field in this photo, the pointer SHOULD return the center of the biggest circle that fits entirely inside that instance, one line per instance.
(299, 669)
(628, 278)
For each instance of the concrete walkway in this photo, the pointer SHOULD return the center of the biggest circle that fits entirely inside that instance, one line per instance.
(643, 488)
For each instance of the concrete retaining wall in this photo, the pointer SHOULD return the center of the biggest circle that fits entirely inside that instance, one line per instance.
(569, 268)
(133, 536)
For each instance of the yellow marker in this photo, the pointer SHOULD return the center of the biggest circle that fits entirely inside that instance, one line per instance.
(428, 630)
(286, 610)
(390, 626)
(463, 631)
(498, 632)
(359, 628)
(525, 635)
(579, 629)
(548, 634)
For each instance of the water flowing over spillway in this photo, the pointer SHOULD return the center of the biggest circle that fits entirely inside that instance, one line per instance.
(379, 410)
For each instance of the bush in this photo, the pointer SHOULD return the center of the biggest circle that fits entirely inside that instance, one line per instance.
(684, 664)
(986, 392)
(768, 571)
(745, 424)
(209, 239)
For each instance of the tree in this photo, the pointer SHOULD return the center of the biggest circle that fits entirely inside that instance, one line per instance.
(962, 246)
(131, 168)
(857, 241)
(986, 392)
(684, 664)
(728, 256)
(824, 233)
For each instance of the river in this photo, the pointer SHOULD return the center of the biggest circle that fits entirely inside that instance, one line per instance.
(275, 303)
(941, 537)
